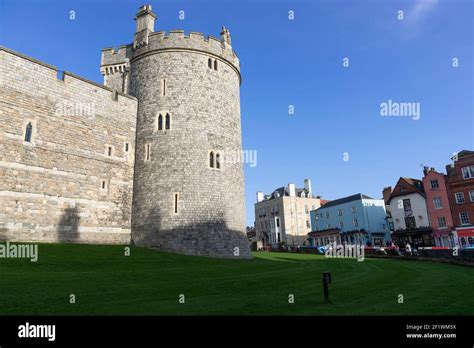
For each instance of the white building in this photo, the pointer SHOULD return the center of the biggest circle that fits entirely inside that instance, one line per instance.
(284, 215)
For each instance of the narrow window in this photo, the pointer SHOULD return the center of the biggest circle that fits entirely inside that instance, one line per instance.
(126, 147)
(109, 150)
(147, 152)
(28, 132)
(175, 203)
(211, 159)
(167, 121)
(163, 87)
(102, 185)
(218, 161)
(160, 122)
(60, 75)
(209, 63)
(215, 64)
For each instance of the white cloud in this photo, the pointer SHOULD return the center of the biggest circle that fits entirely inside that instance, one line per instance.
(421, 9)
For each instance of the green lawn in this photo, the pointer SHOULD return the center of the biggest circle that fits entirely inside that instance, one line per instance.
(149, 282)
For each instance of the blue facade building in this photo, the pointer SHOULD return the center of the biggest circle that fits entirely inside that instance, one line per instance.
(359, 219)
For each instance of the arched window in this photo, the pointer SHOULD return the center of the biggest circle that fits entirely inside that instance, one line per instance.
(28, 132)
(215, 64)
(209, 63)
(211, 159)
(167, 121)
(160, 122)
(218, 161)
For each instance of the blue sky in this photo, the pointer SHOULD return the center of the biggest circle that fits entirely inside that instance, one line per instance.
(299, 62)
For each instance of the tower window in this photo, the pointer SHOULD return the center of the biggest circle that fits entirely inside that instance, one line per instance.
(28, 132)
(211, 159)
(175, 203)
(163, 87)
(160, 122)
(209, 63)
(127, 147)
(103, 187)
(167, 121)
(109, 150)
(215, 160)
(147, 152)
(215, 64)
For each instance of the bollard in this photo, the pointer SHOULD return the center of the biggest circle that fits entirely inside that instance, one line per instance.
(326, 282)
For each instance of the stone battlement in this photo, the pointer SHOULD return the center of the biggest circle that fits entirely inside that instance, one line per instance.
(55, 73)
(173, 40)
(176, 39)
(112, 56)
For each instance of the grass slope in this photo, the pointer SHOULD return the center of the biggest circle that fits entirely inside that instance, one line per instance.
(149, 282)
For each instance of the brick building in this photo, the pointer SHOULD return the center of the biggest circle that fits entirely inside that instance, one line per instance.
(460, 189)
(437, 204)
(406, 205)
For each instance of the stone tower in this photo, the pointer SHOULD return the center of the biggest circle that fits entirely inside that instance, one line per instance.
(188, 197)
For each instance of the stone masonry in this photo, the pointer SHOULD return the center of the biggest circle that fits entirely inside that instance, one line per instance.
(186, 198)
(63, 185)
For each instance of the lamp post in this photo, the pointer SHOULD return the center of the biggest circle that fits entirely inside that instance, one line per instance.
(326, 282)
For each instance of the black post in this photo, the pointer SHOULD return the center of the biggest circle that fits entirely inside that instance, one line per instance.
(326, 281)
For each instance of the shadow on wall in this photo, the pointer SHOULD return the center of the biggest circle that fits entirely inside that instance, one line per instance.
(68, 228)
(3, 234)
(211, 238)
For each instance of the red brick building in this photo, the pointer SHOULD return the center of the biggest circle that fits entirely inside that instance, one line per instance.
(460, 188)
(439, 210)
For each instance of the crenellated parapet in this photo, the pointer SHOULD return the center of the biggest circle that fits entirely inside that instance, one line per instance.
(194, 41)
(115, 60)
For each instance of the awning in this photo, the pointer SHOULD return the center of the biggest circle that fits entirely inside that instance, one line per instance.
(468, 232)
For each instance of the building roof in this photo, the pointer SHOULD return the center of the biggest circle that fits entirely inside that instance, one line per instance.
(345, 200)
(410, 186)
(462, 153)
(283, 191)
(323, 233)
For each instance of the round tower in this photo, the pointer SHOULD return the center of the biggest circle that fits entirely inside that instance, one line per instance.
(188, 196)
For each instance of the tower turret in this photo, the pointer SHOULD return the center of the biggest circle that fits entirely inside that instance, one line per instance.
(145, 19)
(225, 36)
(188, 192)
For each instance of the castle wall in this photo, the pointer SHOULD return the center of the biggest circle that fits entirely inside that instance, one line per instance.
(204, 105)
(63, 186)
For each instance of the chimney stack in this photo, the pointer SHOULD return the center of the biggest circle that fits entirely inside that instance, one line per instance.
(387, 192)
(259, 196)
(307, 186)
(291, 190)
